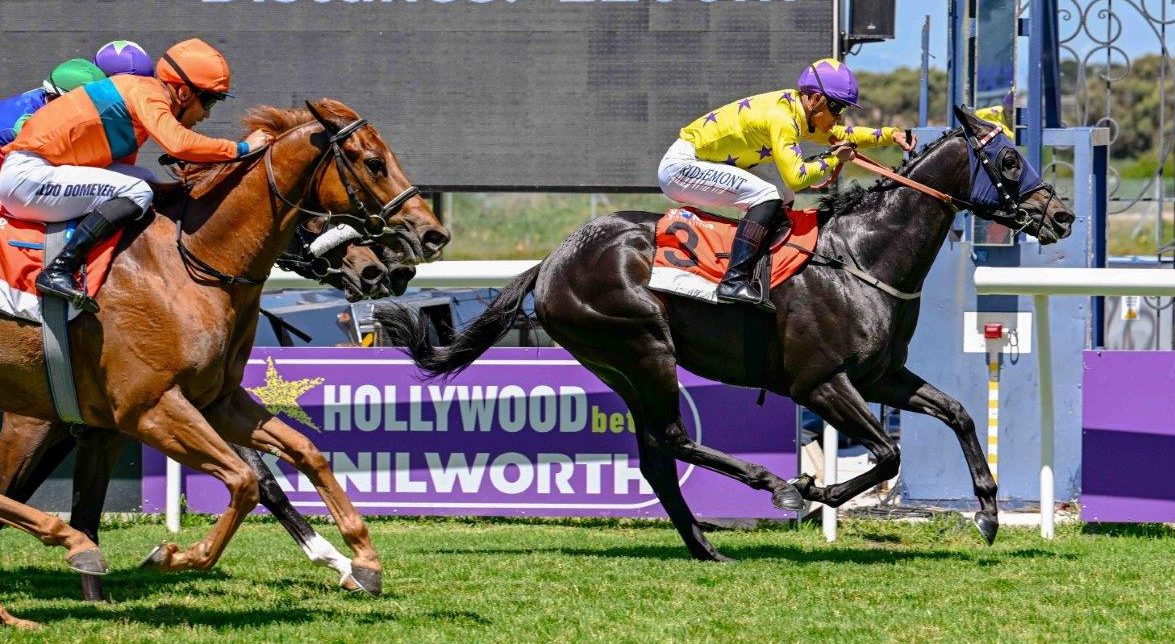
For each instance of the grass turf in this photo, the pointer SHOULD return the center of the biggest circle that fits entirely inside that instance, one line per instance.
(500, 580)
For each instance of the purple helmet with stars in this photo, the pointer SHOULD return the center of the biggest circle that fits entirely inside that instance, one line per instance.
(124, 57)
(831, 78)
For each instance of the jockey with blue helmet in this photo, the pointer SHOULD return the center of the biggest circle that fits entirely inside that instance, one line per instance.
(709, 164)
(124, 57)
(67, 76)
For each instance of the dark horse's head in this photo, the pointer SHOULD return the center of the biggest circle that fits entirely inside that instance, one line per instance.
(1004, 187)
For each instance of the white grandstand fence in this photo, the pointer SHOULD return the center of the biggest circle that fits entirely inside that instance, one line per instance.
(1042, 283)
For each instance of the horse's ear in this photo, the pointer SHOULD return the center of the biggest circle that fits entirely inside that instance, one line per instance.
(331, 128)
(966, 119)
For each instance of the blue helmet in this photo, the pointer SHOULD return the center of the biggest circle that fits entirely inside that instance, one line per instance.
(124, 57)
(831, 78)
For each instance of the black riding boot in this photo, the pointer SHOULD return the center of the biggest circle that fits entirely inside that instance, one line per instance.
(59, 277)
(750, 240)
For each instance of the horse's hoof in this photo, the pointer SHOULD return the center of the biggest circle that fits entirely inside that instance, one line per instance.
(787, 498)
(369, 580)
(159, 556)
(92, 589)
(88, 562)
(987, 525)
(804, 483)
(348, 583)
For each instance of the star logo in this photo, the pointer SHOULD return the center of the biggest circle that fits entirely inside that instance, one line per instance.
(746, 102)
(280, 396)
(712, 117)
(764, 152)
(731, 160)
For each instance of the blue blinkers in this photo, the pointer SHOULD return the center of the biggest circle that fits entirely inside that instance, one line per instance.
(1000, 176)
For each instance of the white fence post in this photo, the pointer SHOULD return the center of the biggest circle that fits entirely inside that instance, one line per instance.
(828, 515)
(1042, 283)
(172, 501)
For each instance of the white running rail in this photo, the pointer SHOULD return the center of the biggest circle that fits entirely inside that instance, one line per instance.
(1041, 283)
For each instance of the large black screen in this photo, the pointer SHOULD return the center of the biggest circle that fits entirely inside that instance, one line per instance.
(471, 94)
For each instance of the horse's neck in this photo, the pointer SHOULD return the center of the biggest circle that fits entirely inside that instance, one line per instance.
(245, 231)
(898, 242)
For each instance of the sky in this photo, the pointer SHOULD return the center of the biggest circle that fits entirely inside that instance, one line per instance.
(905, 50)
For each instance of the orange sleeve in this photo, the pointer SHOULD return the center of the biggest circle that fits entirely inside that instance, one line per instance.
(152, 112)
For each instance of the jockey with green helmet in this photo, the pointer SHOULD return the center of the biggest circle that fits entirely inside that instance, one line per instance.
(70, 75)
(709, 164)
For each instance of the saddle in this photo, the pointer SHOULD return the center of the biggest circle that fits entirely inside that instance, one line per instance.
(693, 251)
(22, 255)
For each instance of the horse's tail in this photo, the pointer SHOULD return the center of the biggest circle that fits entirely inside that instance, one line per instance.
(407, 329)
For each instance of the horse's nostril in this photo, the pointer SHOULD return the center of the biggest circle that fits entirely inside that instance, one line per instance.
(372, 274)
(435, 238)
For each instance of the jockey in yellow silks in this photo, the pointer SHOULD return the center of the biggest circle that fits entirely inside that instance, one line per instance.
(707, 165)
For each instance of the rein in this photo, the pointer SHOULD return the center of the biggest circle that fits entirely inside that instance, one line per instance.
(373, 225)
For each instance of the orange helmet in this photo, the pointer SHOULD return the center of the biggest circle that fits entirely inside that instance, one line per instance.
(196, 64)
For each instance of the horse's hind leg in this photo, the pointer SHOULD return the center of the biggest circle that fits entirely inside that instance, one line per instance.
(317, 549)
(244, 422)
(841, 405)
(905, 390)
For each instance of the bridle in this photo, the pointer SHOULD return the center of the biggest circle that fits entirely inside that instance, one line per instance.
(373, 226)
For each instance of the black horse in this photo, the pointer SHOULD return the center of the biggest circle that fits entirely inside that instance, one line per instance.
(839, 338)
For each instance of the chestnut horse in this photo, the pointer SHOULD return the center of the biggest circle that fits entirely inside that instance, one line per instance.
(32, 448)
(839, 337)
(163, 360)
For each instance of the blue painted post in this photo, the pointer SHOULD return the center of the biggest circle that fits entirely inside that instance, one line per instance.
(924, 92)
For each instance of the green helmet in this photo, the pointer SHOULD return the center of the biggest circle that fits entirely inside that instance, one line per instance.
(71, 75)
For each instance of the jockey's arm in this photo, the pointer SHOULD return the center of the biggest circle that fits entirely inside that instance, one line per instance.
(154, 114)
(863, 136)
(789, 159)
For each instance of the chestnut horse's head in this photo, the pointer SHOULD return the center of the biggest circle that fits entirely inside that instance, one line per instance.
(357, 207)
(367, 182)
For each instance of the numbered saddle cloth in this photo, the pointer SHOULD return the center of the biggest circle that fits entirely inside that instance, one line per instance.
(21, 259)
(693, 250)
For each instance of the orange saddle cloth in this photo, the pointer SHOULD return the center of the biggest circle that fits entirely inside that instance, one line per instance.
(689, 242)
(21, 259)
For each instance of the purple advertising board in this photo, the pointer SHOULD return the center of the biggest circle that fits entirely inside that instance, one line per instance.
(522, 432)
(1128, 437)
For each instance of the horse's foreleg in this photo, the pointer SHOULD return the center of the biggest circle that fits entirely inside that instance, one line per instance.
(83, 554)
(841, 405)
(906, 391)
(97, 451)
(243, 421)
(30, 450)
(7, 619)
(317, 549)
(176, 428)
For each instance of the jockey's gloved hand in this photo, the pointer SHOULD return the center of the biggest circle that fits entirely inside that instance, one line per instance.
(844, 151)
(905, 139)
(257, 140)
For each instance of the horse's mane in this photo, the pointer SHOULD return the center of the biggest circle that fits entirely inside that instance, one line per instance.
(855, 197)
(201, 178)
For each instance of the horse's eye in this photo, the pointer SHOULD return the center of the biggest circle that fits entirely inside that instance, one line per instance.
(376, 166)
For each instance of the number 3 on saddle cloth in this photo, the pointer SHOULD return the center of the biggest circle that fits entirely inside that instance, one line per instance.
(693, 251)
(21, 260)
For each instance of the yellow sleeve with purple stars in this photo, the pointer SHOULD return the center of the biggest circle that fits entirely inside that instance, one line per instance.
(770, 126)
